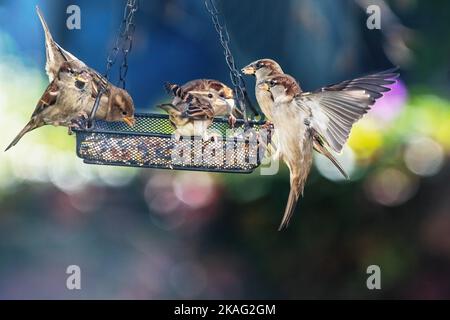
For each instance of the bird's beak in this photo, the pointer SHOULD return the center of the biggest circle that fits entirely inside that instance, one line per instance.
(82, 79)
(228, 93)
(130, 121)
(249, 70)
(263, 86)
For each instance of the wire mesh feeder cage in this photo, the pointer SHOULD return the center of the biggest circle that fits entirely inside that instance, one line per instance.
(150, 144)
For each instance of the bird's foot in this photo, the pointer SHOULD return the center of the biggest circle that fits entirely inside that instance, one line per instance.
(268, 126)
(232, 121)
(79, 122)
(214, 136)
(177, 136)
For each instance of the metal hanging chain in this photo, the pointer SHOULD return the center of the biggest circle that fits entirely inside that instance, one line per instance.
(236, 77)
(124, 42)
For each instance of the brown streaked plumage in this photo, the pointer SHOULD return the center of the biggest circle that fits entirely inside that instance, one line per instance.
(294, 144)
(71, 95)
(115, 104)
(194, 111)
(61, 102)
(207, 85)
(262, 69)
(320, 119)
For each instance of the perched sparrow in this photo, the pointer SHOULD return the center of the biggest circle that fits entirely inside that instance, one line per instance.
(323, 117)
(115, 103)
(62, 101)
(194, 111)
(209, 86)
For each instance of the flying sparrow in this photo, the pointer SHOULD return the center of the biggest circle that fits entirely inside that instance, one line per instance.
(323, 117)
(192, 113)
(115, 103)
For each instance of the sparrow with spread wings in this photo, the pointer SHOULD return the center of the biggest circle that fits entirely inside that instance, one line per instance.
(320, 120)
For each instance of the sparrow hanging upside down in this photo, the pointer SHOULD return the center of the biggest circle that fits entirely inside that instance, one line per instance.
(115, 104)
(72, 92)
(64, 100)
(320, 119)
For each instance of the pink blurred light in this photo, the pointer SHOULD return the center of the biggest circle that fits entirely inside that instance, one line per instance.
(391, 104)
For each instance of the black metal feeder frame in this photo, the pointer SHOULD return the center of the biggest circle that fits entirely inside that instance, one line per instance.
(150, 142)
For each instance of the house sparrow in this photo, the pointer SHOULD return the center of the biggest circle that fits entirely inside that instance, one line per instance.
(115, 103)
(262, 69)
(209, 86)
(194, 111)
(62, 101)
(324, 117)
(71, 95)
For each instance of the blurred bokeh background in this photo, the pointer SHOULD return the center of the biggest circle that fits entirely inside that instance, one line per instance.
(150, 234)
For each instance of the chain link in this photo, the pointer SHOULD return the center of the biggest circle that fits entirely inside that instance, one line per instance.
(235, 76)
(123, 43)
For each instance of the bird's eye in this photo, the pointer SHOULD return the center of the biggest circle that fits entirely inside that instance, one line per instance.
(272, 83)
(124, 113)
(259, 65)
(210, 95)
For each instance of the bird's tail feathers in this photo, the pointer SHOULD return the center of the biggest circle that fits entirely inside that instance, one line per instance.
(31, 125)
(174, 89)
(48, 35)
(294, 194)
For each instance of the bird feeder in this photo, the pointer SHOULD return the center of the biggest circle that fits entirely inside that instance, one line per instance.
(150, 142)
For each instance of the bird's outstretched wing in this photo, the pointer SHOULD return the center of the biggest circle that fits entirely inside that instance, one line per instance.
(335, 108)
